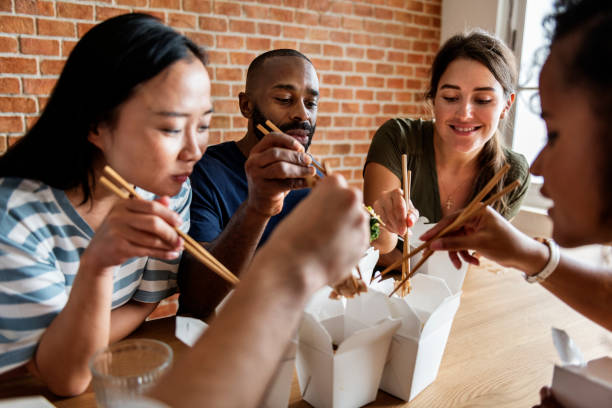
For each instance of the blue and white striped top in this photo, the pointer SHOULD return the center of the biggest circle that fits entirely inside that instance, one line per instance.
(41, 239)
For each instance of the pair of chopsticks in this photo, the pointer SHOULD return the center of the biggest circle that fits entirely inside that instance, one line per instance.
(322, 168)
(468, 212)
(115, 183)
(406, 178)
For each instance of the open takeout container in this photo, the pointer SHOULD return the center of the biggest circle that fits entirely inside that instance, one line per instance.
(340, 359)
(189, 330)
(580, 384)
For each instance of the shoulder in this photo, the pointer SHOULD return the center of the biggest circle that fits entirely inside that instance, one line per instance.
(406, 135)
(519, 167)
(20, 196)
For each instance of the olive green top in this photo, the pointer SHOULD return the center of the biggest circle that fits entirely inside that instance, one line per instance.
(415, 139)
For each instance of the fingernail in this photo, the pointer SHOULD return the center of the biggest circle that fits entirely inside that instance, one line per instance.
(173, 254)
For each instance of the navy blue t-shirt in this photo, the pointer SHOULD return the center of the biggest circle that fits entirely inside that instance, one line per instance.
(219, 185)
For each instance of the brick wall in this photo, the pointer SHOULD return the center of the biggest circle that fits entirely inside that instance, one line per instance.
(372, 57)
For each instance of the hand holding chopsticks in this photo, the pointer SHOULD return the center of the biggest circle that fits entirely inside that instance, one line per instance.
(468, 212)
(115, 183)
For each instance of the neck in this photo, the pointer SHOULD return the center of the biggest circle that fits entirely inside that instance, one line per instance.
(449, 159)
(247, 143)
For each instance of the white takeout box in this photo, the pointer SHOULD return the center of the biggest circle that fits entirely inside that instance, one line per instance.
(349, 376)
(577, 384)
(189, 330)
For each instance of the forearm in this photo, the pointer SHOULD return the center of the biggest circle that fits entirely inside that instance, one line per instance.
(80, 329)
(201, 289)
(125, 319)
(233, 362)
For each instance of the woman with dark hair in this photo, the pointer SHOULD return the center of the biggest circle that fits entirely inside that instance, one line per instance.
(452, 157)
(576, 99)
(81, 268)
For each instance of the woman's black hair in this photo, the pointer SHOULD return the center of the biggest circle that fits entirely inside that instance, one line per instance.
(588, 65)
(100, 74)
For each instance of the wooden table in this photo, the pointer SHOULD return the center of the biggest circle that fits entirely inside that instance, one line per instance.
(499, 353)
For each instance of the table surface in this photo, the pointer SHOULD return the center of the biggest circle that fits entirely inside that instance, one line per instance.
(499, 352)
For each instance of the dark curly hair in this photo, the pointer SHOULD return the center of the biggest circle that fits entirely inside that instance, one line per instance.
(589, 66)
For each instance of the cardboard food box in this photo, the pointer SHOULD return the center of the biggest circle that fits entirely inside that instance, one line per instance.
(189, 330)
(340, 359)
(580, 384)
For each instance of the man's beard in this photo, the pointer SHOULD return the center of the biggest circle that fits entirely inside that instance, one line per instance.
(258, 118)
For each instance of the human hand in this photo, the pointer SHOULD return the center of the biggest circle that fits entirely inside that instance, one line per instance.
(547, 399)
(275, 166)
(325, 235)
(488, 233)
(393, 211)
(135, 228)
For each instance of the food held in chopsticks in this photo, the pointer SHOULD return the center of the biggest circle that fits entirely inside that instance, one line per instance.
(473, 208)
(374, 224)
(116, 183)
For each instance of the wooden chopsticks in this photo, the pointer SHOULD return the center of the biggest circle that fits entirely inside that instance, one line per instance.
(115, 182)
(468, 212)
(406, 176)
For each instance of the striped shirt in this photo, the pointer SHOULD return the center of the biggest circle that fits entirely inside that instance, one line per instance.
(41, 240)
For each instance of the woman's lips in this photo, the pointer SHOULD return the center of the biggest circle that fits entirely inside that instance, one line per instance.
(465, 129)
(180, 178)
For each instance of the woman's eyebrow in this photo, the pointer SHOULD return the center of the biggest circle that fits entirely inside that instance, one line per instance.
(480, 88)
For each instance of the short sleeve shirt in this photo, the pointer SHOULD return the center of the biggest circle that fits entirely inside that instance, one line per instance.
(415, 139)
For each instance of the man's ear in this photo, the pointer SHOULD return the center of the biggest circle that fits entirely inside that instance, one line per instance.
(509, 103)
(246, 105)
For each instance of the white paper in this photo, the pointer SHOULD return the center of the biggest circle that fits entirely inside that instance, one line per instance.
(26, 402)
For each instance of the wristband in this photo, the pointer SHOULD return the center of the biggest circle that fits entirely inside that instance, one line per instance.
(554, 255)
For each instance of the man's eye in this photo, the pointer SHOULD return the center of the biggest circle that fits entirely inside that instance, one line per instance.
(283, 100)
(311, 104)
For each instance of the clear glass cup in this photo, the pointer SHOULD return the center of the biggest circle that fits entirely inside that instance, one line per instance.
(127, 369)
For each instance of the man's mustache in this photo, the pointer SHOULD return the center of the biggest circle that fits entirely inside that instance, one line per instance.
(297, 126)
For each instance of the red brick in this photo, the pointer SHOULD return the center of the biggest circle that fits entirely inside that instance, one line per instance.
(374, 26)
(391, 109)
(38, 86)
(375, 82)
(352, 161)
(83, 28)
(295, 3)
(217, 57)
(435, 22)
(352, 23)
(76, 11)
(278, 14)
(365, 67)
(343, 65)
(104, 13)
(9, 85)
(405, 70)
(294, 32)
(269, 29)
(230, 41)
(318, 148)
(363, 121)
(332, 79)
(332, 50)
(67, 47)
(329, 106)
(212, 23)
(214, 137)
(415, 58)
(136, 3)
(241, 58)
(16, 104)
(19, 25)
(421, 72)
(342, 93)
(422, 20)
(336, 135)
(353, 80)
(242, 26)
(319, 5)
(361, 147)
(34, 7)
(14, 139)
(272, 2)
(160, 15)
(343, 121)
(8, 44)
(218, 89)
(229, 74)
(253, 43)
(221, 122)
(355, 52)
(310, 48)
(384, 69)
(383, 13)
(393, 29)
(166, 4)
(322, 64)
(350, 107)
(51, 66)
(325, 93)
(239, 122)
(420, 46)
(318, 34)
(256, 12)
(403, 17)
(181, 20)
(362, 39)
(306, 18)
(333, 162)
(403, 96)
(55, 28)
(375, 54)
(6, 5)
(15, 65)
(396, 83)
(3, 144)
(384, 96)
(381, 41)
(226, 8)
(284, 44)
(340, 36)
(11, 124)
(402, 44)
(199, 6)
(327, 20)
(227, 105)
(364, 95)
(39, 46)
(413, 84)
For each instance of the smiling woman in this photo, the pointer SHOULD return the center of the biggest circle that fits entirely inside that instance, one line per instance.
(80, 267)
(453, 156)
